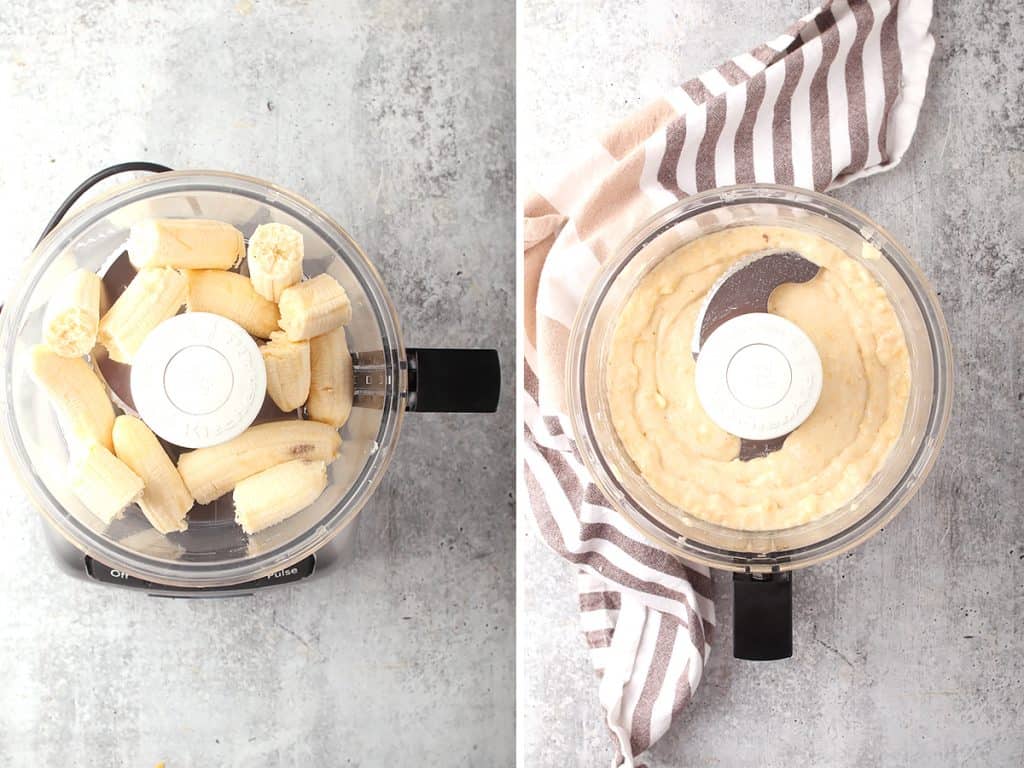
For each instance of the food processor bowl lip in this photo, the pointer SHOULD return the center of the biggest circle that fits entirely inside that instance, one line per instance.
(864, 527)
(198, 574)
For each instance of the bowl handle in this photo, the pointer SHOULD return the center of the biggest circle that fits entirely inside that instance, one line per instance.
(762, 616)
(453, 380)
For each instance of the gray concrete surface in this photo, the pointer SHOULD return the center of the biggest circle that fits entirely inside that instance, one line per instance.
(910, 650)
(397, 119)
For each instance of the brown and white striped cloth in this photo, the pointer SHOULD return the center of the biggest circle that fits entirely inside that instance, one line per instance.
(834, 98)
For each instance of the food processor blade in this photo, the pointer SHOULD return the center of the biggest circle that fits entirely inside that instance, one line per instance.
(746, 288)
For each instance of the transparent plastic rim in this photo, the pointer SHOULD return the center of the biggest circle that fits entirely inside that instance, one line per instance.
(257, 566)
(604, 474)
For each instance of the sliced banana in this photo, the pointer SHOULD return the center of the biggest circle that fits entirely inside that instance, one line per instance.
(151, 297)
(231, 295)
(287, 364)
(165, 501)
(211, 472)
(275, 494)
(275, 259)
(275, 469)
(185, 243)
(72, 316)
(331, 380)
(314, 307)
(104, 483)
(77, 395)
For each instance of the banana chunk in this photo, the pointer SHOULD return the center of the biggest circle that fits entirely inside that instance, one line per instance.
(77, 395)
(314, 307)
(331, 380)
(275, 259)
(211, 472)
(72, 316)
(232, 296)
(153, 295)
(287, 364)
(274, 495)
(104, 483)
(185, 243)
(165, 500)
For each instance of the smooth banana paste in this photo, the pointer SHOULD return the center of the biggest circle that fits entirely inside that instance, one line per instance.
(690, 461)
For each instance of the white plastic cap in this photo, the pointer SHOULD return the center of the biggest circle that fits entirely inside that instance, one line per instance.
(758, 376)
(198, 379)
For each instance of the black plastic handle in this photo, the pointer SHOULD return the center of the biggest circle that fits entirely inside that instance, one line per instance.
(762, 616)
(453, 380)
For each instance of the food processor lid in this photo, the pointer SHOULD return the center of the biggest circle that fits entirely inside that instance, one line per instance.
(198, 380)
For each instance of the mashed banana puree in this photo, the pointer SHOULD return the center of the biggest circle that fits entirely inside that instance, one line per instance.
(828, 459)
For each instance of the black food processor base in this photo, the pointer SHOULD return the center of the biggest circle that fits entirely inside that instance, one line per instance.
(107, 575)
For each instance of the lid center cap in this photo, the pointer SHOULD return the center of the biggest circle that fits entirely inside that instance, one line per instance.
(198, 380)
(759, 376)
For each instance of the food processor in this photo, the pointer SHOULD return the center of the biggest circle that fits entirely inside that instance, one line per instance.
(762, 561)
(214, 557)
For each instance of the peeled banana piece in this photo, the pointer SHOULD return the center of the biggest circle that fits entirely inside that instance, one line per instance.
(275, 494)
(275, 259)
(314, 307)
(331, 379)
(104, 483)
(77, 394)
(165, 500)
(185, 243)
(211, 472)
(287, 364)
(72, 316)
(153, 295)
(232, 296)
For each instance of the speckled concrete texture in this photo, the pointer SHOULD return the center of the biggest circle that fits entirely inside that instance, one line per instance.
(910, 650)
(397, 119)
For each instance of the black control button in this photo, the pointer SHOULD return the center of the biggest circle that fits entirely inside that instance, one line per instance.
(296, 572)
(109, 575)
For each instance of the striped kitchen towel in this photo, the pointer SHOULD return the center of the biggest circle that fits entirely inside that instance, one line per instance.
(834, 98)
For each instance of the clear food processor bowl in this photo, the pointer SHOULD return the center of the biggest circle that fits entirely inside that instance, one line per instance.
(213, 552)
(909, 461)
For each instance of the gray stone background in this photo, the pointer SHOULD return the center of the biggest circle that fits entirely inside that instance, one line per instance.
(910, 650)
(397, 119)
